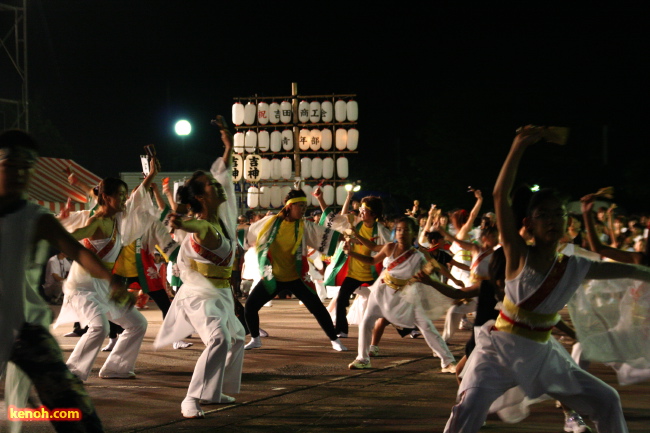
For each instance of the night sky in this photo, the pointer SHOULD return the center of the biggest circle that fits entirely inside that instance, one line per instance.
(440, 91)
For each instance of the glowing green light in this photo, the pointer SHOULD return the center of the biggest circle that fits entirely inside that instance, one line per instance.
(534, 188)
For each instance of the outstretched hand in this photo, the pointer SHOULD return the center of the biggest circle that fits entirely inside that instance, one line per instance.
(527, 135)
(587, 203)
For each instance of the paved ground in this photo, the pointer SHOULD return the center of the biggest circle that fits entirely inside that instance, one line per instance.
(297, 383)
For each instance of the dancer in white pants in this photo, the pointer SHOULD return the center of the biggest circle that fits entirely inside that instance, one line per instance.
(117, 222)
(205, 302)
(397, 300)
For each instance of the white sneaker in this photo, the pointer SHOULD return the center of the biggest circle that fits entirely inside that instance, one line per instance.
(180, 344)
(465, 325)
(263, 333)
(111, 344)
(415, 333)
(253, 344)
(449, 368)
(374, 351)
(338, 346)
(225, 399)
(358, 364)
(343, 335)
(269, 304)
(575, 424)
(190, 408)
(114, 375)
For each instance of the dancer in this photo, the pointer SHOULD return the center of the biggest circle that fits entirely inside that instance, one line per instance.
(395, 298)
(462, 223)
(281, 243)
(25, 342)
(518, 349)
(117, 222)
(205, 302)
(346, 271)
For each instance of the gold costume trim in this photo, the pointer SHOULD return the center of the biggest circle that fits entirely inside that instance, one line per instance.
(219, 276)
(534, 326)
(396, 284)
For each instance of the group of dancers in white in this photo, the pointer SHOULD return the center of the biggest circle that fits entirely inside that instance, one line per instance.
(514, 361)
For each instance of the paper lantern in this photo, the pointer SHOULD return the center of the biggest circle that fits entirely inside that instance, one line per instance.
(342, 167)
(326, 139)
(276, 141)
(285, 190)
(238, 142)
(250, 142)
(274, 113)
(263, 141)
(326, 111)
(237, 167)
(340, 110)
(276, 169)
(249, 113)
(265, 169)
(285, 168)
(341, 195)
(315, 139)
(314, 111)
(352, 110)
(276, 196)
(353, 138)
(252, 169)
(265, 197)
(305, 168)
(316, 168)
(328, 168)
(287, 140)
(307, 190)
(304, 139)
(328, 194)
(303, 112)
(253, 197)
(262, 113)
(237, 113)
(286, 113)
(341, 139)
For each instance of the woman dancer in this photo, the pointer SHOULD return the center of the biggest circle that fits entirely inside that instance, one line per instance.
(118, 222)
(393, 296)
(281, 242)
(518, 349)
(205, 302)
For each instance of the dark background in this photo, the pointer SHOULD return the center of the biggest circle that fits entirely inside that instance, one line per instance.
(441, 91)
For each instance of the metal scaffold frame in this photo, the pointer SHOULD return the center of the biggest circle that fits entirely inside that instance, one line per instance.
(13, 46)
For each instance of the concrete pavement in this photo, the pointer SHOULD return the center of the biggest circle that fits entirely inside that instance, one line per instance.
(297, 383)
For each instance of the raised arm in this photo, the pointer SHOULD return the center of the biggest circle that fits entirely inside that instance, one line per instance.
(513, 244)
(159, 200)
(464, 230)
(154, 166)
(594, 242)
(226, 138)
(346, 205)
(318, 193)
(466, 245)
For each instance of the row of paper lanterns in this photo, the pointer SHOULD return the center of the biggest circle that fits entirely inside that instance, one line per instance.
(313, 112)
(308, 139)
(255, 168)
(272, 196)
